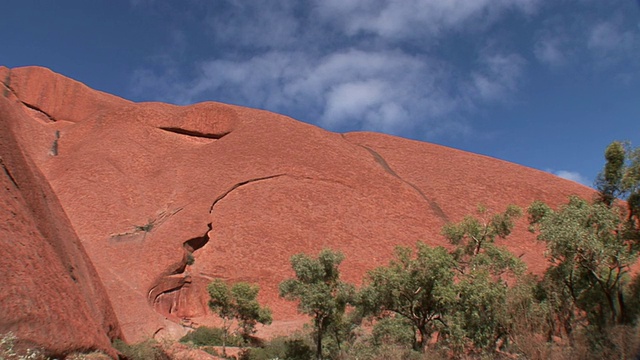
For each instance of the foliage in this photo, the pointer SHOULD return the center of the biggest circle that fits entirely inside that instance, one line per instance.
(289, 348)
(210, 336)
(480, 311)
(474, 238)
(590, 257)
(319, 291)
(8, 350)
(419, 289)
(588, 286)
(237, 302)
(459, 294)
(620, 177)
(393, 330)
(609, 181)
(146, 350)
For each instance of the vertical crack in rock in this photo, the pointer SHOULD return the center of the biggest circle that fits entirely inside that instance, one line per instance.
(170, 296)
(385, 166)
(243, 183)
(9, 90)
(7, 84)
(6, 171)
(37, 109)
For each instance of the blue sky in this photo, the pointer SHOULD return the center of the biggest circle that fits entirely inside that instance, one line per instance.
(542, 83)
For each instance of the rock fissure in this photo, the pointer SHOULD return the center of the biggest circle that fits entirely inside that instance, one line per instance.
(6, 171)
(385, 166)
(37, 109)
(7, 84)
(150, 225)
(240, 184)
(169, 293)
(194, 133)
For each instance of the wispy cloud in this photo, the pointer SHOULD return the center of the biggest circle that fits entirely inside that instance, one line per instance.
(573, 176)
(594, 38)
(369, 64)
(415, 18)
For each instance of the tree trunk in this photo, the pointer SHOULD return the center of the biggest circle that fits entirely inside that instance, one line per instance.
(423, 342)
(319, 344)
(224, 341)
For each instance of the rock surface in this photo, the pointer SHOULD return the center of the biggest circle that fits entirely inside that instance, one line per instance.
(148, 185)
(51, 295)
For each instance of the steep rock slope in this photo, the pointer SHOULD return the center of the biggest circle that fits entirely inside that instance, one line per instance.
(147, 186)
(51, 295)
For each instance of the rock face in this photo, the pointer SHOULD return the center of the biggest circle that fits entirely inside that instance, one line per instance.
(51, 295)
(148, 186)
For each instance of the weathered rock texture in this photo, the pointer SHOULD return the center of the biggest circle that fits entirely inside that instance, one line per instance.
(51, 295)
(148, 185)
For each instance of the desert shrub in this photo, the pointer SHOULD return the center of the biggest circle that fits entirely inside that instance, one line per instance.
(9, 352)
(289, 348)
(393, 330)
(210, 336)
(146, 350)
(367, 350)
(96, 355)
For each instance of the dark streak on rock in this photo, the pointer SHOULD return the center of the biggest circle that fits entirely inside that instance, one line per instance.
(7, 84)
(35, 108)
(6, 171)
(223, 195)
(383, 163)
(195, 133)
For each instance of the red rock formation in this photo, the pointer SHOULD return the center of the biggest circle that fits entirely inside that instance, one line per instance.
(51, 295)
(148, 185)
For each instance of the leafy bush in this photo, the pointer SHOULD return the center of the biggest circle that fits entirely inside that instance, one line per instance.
(146, 350)
(8, 351)
(210, 336)
(393, 330)
(289, 348)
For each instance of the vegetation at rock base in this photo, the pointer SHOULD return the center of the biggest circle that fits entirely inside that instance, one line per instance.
(8, 349)
(320, 293)
(474, 299)
(237, 302)
(145, 350)
(211, 336)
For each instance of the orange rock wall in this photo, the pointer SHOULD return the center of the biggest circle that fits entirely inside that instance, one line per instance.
(51, 294)
(146, 186)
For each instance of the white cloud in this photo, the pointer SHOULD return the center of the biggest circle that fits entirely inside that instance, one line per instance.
(498, 77)
(550, 50)
(416, 18)
(293, 59)
(258, 24)
(573, 176)
(388, 91)
(606, 36)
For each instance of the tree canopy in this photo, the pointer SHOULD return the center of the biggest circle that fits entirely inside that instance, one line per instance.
(237, 302)
(319, 291)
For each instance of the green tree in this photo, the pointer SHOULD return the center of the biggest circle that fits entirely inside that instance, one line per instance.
(620, 178)
(319, 291)
(610, 181)
(480, 307)
(590, 258)
(474, 238)
(237, 302)
(419, 289)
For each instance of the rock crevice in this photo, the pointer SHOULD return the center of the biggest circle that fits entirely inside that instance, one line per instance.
(8, 173)
(387, 168)
(172, 296)
(240, 184)
(193, 133)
